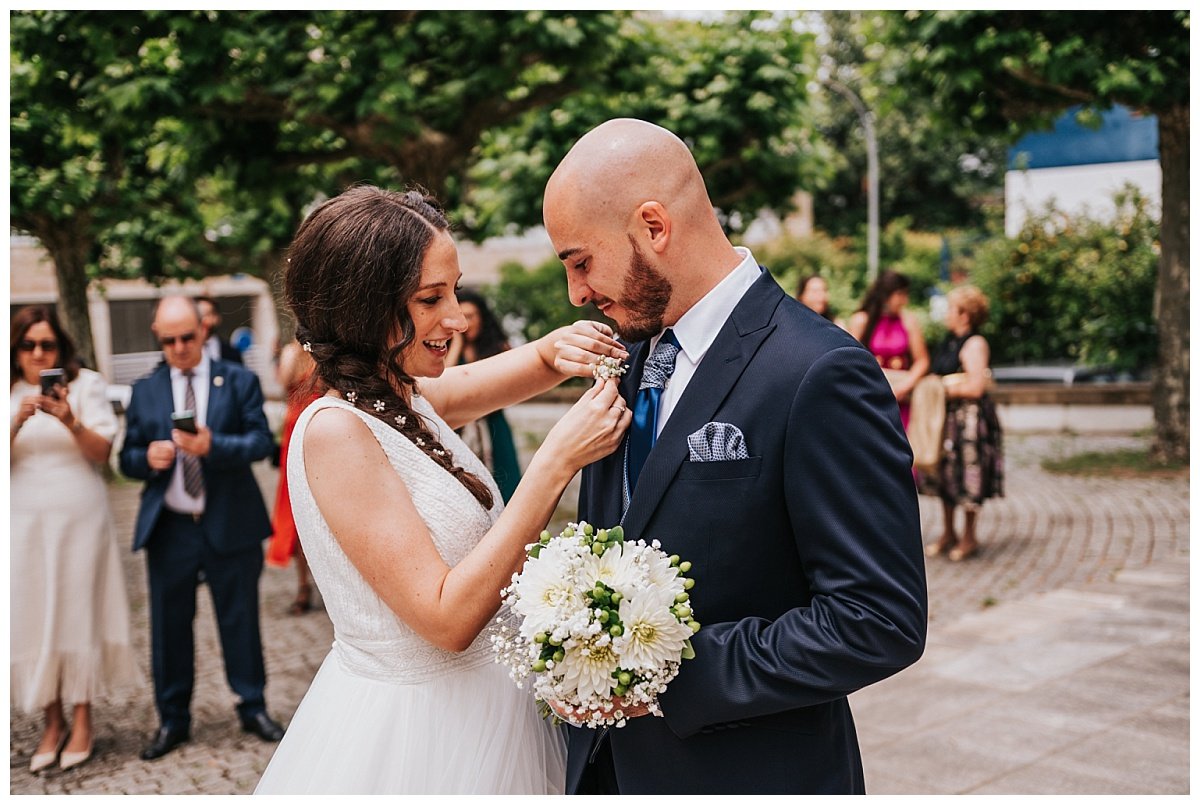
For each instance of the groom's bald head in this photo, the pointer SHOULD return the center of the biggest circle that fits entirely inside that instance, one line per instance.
(630, 197)
(622, 164)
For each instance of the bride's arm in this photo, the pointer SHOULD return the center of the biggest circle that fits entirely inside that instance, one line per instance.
(372, 516)
(464, 393)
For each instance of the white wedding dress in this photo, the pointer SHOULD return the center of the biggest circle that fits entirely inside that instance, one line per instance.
(389, 713)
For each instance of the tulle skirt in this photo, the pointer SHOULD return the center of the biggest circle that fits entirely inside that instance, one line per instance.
(470, 731)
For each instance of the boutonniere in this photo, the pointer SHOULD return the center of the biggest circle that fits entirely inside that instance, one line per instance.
(219, 381)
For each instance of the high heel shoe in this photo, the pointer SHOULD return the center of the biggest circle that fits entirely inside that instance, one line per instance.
(303, 602)
(44, 760)
(69, 760)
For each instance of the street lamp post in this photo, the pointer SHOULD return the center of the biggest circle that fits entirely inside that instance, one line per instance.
(868, 124)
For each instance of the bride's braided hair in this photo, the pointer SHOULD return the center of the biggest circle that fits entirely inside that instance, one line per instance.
(353, 266)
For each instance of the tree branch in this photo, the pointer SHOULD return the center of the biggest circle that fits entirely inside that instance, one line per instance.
(1031, 78)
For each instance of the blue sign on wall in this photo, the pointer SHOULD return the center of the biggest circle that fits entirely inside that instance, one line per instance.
(1124, 136)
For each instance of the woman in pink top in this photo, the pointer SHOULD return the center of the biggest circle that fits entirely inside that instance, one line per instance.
(893, 335)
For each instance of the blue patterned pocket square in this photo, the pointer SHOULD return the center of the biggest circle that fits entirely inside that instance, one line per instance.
(717, 441)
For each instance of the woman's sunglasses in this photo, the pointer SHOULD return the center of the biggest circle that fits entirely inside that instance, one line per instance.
(29, 345)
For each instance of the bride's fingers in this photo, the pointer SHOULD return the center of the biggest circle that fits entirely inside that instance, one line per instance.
(590, 343)
(607, 394)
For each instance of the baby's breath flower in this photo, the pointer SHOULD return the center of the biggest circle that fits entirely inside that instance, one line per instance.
(594, 631)
(607, 367)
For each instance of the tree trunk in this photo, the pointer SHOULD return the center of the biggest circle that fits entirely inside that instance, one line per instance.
(69, 245)
(1171, 300)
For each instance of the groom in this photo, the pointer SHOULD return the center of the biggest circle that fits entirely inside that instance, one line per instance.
(767, 450)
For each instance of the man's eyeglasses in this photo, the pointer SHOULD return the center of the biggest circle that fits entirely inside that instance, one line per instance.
(169, 341)
(29, 345)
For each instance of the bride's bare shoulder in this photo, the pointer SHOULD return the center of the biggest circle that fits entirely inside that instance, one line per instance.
(333, 428)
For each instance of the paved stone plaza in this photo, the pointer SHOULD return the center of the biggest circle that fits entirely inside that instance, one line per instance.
(1058, 660)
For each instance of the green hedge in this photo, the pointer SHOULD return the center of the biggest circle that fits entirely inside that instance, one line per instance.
(535, 300)
(1074, 289)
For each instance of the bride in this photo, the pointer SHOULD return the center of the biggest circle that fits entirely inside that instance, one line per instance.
(403, 527)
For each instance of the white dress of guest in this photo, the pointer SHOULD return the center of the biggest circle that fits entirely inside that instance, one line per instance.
(388, 712)
(68, 608)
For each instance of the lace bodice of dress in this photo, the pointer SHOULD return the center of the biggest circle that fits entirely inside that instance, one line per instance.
(370, 639)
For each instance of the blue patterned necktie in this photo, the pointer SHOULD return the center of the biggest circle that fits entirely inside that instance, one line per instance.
(644, 430)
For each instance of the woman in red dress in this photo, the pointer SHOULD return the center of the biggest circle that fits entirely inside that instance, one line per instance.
(295, 373)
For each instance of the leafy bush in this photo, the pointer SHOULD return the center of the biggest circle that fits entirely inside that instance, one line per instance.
(790, 259)
(1077, 289)
(534, 301)
(843, 264)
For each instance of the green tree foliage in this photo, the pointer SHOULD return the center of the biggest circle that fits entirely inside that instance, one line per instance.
(220, 128)
(734, 89)
(78, 156)
(535, 299)
(936, 177)
(1074, 287)
(1012, 71)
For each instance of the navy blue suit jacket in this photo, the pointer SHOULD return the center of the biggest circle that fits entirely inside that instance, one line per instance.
(235, 517)
(810, 580)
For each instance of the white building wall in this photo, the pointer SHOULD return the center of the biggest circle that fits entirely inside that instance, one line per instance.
(1075, 190)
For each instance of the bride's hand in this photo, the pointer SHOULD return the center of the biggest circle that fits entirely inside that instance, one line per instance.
(579, 346)
(590, 430)
(578, 718)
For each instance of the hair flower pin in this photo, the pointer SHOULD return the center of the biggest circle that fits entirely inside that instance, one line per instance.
(380, 406)
(401, 420)
(439, 452)
(420, 442)
(307, 346)
(351, 396)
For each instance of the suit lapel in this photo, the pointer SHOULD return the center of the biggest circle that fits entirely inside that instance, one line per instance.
(217, 395)
(731, 352)
(165, 404)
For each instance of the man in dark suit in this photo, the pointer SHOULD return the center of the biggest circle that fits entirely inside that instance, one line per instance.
(766, 449)
(201, 517)
(215, 346)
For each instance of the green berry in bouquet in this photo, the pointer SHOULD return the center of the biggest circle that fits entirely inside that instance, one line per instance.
(603, 623)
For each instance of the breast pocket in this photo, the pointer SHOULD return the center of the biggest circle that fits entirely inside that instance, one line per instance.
(720, 470)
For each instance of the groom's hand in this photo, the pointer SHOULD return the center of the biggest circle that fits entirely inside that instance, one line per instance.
(579, 346)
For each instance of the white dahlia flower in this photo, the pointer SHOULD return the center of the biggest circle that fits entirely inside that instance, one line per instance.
(653, 636)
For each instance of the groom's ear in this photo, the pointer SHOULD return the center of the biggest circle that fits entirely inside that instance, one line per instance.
(655, 223)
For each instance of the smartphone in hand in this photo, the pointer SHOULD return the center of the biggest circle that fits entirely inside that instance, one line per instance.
(51, 378)
(184, 421)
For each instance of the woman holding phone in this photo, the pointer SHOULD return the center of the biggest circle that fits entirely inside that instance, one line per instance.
(70, 614)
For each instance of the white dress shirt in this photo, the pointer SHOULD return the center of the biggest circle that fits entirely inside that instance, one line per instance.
(698, 327)
(177, 499)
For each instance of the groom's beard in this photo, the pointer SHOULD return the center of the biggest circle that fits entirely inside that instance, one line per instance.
(645, 295)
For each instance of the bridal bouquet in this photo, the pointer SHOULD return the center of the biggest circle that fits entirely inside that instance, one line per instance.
(603, 623)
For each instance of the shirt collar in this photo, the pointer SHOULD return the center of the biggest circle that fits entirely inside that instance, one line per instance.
(698, 327)
(200, 371)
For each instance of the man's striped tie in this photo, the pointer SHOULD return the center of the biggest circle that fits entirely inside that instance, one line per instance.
(193, 474)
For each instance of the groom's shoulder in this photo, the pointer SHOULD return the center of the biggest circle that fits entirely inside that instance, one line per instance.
(802, 337)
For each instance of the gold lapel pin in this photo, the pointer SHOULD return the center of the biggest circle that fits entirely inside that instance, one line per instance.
(219, 381)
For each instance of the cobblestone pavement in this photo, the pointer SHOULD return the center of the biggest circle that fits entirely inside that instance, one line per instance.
(1051, 532)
